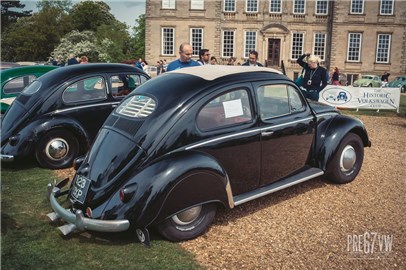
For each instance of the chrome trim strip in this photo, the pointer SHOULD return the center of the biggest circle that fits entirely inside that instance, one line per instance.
(245, 132)
(229, 194)
(85, 106)
(78, 221)
(6, 158)
(277, 188)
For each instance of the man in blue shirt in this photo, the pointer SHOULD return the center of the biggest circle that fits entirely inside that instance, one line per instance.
(185, 59)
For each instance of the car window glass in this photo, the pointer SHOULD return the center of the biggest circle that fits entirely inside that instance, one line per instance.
(16, 85)
(231, 108)
(273, 100)
(296, 103)
(122, 85)
(32, 88)
(87, 89)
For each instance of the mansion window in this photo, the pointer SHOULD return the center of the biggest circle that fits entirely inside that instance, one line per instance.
(319, 47)
(228, 43)
(383, 48)
(252, 6)
(196, 40)
(357, 6)
(297, 45)
(386, 7)
(250, 43)
(229, 5)
(354, 47)
(168, 4)
(275, 6)
(299, 6)
(168, 41)
(196, 4)
(321, 7)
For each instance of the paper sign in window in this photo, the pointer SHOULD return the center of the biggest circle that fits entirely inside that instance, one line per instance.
(233, 108)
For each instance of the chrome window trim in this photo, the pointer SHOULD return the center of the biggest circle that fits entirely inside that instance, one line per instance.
(256, 130)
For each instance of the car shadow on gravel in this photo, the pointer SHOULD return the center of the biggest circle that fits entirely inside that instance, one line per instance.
(229, 215)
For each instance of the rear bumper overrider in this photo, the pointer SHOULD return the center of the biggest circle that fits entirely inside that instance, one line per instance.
(77, 221)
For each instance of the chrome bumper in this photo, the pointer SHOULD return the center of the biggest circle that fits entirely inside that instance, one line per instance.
(6, 158)
(77, 221)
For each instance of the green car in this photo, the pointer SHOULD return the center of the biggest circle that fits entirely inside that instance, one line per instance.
(368, 81)
(398, 82)
(14, 80)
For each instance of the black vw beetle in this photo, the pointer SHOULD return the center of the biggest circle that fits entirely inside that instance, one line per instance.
(191, 140)
(57, 117)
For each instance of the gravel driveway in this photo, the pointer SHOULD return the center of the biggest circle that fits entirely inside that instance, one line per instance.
(319, 225)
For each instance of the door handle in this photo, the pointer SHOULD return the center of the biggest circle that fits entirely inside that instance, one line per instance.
(266, 133)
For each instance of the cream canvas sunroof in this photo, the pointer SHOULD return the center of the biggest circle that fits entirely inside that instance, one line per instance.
(212, 72)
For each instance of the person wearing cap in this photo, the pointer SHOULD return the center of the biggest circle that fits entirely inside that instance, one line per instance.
(315, 76)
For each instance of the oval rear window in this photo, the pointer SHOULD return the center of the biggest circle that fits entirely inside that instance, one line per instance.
(137, 106)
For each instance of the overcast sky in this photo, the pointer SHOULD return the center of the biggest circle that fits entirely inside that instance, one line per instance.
(126, 11)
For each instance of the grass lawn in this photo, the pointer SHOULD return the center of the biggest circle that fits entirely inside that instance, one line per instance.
(30, 241)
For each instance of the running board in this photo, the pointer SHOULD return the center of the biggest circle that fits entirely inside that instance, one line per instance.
(271, 188)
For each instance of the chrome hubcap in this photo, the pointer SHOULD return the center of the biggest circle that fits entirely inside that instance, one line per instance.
(57, 149)
(348, 159)
(187, 216)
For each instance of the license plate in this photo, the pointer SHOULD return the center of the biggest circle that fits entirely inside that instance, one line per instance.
(80, 188)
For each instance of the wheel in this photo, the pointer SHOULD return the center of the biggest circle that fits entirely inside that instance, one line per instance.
(188, 224)
(57, 149)
(403, 89)
(347, 161)
(370, 85)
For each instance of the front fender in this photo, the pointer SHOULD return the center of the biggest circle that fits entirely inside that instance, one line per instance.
(171, 184)
(331, 133)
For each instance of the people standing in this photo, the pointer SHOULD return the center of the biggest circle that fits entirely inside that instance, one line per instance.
(213, 60)
(315, 76)
(204, 57)
(252, 60)
(72, 60)
(385, 78)
(335, 77)
(185, 58)
(84, 60)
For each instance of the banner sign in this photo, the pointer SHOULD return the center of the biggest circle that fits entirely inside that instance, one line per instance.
(361, 97)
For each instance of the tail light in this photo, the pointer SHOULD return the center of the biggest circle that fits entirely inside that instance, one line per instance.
(128, 192)
(89, 212)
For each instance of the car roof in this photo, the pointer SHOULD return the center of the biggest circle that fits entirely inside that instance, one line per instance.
(64, 73)
(179, 86)
(212, 72)
(17, 71)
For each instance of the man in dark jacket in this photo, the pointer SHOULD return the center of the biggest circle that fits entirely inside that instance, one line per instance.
(315, 76)
(252, 60)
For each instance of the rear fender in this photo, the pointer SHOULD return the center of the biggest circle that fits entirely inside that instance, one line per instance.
(173, 183)
(331, 133)
(29, 136)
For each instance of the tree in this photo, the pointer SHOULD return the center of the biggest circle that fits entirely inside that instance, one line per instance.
(137, 42)
(89, 15)
(77, 43)
(8, 16)
(33, 38)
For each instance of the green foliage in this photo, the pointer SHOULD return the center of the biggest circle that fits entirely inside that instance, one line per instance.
(59, 28)
(89, 15)
(8, 16)
(137, 42)
(29, 240)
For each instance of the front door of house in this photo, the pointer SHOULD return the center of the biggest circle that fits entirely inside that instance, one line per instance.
(274, 46)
